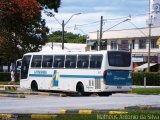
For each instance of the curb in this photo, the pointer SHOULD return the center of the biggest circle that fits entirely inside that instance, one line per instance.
(1, 86)
(146, 107)
(76, 111)
(12, 95)
(28, 116)
(38, 93)
(9, 87)
(35, 93)
(90, 111)
(62, 112)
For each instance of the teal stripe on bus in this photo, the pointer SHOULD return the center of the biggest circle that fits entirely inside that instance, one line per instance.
(67, 76)
(81, 76)
(40, 75)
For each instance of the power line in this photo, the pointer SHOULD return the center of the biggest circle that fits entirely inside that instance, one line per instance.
(112, 20)
(137, 28)
(88, 23)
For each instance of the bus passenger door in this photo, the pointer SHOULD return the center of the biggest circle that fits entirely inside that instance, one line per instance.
(25, 66)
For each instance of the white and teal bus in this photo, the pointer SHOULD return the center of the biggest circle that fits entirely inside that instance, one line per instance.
(101, 72)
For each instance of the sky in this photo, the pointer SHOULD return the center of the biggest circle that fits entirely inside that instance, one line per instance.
(113, 12)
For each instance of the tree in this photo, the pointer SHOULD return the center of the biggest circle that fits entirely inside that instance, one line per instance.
(69, 37)
(50, 4)
(21, 27)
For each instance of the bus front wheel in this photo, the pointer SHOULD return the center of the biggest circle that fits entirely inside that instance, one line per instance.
(34, 86)
(80, 89)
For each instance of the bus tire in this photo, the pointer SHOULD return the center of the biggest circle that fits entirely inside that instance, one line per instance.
(104, 94)
(34, 86)
(80, 89)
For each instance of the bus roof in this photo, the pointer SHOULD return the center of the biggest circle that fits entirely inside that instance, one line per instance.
(67, 52)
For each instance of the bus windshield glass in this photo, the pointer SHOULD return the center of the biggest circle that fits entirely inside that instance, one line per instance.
(119, 58)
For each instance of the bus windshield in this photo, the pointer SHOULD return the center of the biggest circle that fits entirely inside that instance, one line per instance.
(119, 58)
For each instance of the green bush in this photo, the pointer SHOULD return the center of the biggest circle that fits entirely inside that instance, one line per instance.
(6, 76)
(152, 78)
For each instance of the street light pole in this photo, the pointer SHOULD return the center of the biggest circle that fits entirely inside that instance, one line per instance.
(63, 24)
(149, 36)
(100, 35)
(62, 34)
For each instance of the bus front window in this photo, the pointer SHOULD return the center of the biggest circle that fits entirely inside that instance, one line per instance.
(25, 66)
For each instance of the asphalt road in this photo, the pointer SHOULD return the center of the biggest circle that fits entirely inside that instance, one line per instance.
(53, 104)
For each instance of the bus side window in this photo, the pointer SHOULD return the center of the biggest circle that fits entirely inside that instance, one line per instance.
(83, 61)
(36, 61)
(70, 61)
(47, 61)
(96, 61)
(59, 61)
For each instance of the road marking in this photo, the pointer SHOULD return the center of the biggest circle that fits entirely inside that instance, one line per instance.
(117, 112)
(5, 116)
(85, 112)
(62, 111)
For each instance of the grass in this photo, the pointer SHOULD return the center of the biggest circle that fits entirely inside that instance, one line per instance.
(132, 115)
(76, 117)
(146, 91)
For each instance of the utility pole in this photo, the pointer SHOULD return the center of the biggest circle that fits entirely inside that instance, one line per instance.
(100, 37)
(98, 40)
(52, 45)
(149, 36)
(63, 35)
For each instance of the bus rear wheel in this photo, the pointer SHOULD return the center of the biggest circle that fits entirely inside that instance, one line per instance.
(80, 89)
(34, 86)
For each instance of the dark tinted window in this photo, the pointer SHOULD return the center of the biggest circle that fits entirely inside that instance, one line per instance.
(119, 59)
(96, 61)
(59, 61)
(70, 61)
(36, 61)
(47, 61)
(83, 61)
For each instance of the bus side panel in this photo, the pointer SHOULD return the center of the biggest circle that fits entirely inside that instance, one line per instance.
(66, 80)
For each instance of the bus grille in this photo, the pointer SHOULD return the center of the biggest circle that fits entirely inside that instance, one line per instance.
(97, 84)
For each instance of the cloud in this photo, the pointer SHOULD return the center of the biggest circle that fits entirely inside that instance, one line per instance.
(104, 8)
(92, 10)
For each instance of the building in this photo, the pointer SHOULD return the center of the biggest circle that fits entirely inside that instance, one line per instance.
(134, 40)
